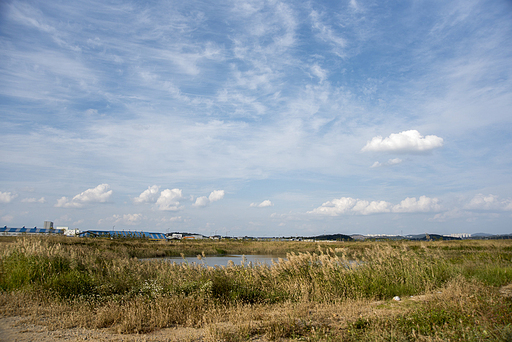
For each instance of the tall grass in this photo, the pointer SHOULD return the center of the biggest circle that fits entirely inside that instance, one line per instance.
(115, 290)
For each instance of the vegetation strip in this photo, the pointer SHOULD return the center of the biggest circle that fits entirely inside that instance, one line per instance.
(448, 289)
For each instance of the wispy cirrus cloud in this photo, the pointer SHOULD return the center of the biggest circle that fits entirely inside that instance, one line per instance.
(125, 219)
(33, 200)
(219, 94)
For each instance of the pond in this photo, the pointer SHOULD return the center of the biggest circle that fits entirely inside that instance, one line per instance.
(223, 260)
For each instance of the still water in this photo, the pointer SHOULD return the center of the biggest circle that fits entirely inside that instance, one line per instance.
(222, 260)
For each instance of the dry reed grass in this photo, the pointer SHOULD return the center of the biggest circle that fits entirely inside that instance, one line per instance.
(325, 294)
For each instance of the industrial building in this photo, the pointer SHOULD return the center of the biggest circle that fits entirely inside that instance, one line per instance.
(20, 231)
(122, 234)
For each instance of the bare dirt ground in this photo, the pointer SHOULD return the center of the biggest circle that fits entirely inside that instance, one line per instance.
(18, 329)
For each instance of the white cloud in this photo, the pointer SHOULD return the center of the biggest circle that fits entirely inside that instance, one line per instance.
(489, 202)
(6, 197)
(130, 219)
(33, 200)
(390, 162)
(265, 203)
(411, 205)
(126, 219)
(327, 34)
(99, 194)
(349, 205)
(508, 205)
(319, 72)
(216, 195)
(7, 218)
(203, 201)
(451, 214)
(374, 207)
(150, 195)
(169, 200)
(407, 141)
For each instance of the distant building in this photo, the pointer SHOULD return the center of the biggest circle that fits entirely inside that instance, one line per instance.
(21, 231)
(69, 232)
(174, 236)
(122, 234)
(193, 237)
(460, 235)
(48, 225)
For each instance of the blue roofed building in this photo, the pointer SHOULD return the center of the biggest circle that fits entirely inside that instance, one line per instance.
(122, 234)
(5, 231)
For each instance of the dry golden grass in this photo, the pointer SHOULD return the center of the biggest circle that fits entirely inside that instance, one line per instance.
(340, 292)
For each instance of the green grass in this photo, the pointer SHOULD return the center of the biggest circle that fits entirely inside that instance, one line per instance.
(103, 276)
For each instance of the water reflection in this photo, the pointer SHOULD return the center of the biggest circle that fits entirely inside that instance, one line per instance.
(223, 260)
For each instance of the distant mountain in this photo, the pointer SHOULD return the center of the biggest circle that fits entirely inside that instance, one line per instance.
(481, 235)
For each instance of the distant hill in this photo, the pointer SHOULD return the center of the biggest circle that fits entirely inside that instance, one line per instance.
(332, 237)
(423, 237)
(481, 235)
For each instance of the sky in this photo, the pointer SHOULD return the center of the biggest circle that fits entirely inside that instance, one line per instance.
(259, 118)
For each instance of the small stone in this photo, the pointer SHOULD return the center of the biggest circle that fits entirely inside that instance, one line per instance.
(396, 298)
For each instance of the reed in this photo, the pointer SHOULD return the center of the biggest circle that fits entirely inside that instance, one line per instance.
(325, 292)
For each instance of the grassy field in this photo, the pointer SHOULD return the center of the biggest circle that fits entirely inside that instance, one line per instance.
(449, 290)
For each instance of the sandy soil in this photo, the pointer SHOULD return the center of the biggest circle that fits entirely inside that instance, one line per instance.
(17, 329)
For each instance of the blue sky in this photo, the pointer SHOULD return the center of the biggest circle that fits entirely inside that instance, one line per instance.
(268, 118)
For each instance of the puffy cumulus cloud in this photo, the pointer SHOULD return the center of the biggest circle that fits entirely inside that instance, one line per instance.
(423, 204)
(335, 207)
(203, 201)
(99, 194)
(150, 195)
(481, 201)
(390, 162)
(345, 205)
(169, 200)
(7, 197)
(216, 195)
(407, 141)
(488, 202)
(264, 204)
(33, 200)
(374, 207)
(349, 205)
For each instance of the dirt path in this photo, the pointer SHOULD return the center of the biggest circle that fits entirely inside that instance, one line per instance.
(17, 329)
